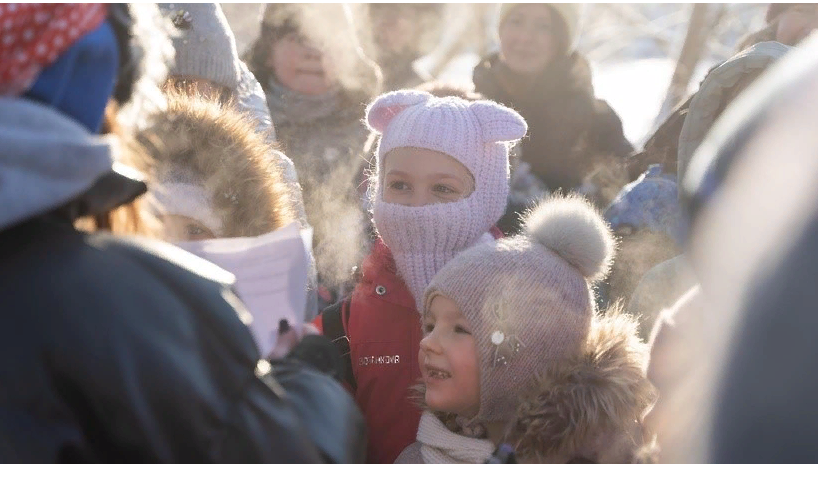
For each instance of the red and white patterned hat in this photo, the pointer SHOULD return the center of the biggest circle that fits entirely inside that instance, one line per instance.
(34, 35)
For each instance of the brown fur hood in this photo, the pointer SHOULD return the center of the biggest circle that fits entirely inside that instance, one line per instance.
(202, 143)
(590, 408)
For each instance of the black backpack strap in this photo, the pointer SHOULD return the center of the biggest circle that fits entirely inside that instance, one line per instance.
(333, 323)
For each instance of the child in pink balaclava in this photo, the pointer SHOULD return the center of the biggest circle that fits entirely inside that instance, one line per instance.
(441, 184)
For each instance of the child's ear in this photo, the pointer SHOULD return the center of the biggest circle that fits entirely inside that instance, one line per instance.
(386, 107)
(498, 123)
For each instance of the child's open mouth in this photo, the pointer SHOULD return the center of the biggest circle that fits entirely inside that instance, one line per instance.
(434, 373)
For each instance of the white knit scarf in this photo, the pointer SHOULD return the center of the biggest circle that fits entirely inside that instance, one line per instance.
(439, 445)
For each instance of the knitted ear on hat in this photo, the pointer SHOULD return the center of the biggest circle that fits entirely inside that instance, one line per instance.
(574, 230)
(382, 110)
(498, 123)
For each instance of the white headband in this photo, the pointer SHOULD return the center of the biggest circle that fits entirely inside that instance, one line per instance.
(184, 199)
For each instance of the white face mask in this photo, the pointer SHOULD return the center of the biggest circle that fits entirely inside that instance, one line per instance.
(271, 276)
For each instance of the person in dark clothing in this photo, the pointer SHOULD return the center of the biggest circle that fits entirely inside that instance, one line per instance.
(573, 136)
(120, 348)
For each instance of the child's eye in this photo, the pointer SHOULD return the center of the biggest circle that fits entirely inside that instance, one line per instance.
(461, 330)
(442, 188)
(398, 185)
(427, 328)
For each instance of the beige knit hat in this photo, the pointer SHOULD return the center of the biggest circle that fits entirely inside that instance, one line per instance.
(570, 13)
(528, 298)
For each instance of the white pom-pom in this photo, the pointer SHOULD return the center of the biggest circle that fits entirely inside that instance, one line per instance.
(574, 230)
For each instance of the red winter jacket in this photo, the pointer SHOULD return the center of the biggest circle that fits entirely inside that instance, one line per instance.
(384, 330)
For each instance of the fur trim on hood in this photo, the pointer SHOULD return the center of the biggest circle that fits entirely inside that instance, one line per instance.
(203, 144)
(589, 408)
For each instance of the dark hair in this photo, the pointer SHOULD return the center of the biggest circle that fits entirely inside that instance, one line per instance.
(561, 30)
(279, 21)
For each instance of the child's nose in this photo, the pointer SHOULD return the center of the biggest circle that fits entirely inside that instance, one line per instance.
(420, 198)
(430, 343)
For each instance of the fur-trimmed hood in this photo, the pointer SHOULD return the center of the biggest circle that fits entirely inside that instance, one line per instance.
(214, 152)
(589, 408)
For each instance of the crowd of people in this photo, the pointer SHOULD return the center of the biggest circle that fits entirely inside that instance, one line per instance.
(496, 274)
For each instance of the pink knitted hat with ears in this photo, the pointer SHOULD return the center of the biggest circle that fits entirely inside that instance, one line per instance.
(528, 299)
(476, 134)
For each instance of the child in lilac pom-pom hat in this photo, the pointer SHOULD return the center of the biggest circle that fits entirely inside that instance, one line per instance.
(440, 187)
(514, 352)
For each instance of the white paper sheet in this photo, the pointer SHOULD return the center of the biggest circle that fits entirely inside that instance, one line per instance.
(271, 276)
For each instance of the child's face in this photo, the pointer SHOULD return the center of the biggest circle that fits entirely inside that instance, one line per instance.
(796, 23)
(393, 27)
(301, 67)
(416, 177)
(528, 39)
(448, 360)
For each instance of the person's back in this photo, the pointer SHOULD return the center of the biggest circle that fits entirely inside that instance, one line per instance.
(118, 348)
(114, 353)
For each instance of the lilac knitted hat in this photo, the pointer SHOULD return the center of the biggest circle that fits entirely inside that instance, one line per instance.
(528, 298)
(477, 134)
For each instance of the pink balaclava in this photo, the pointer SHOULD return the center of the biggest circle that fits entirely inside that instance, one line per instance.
(476, 134)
